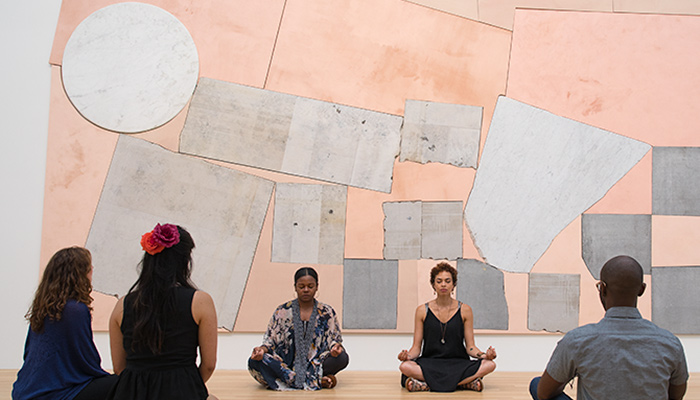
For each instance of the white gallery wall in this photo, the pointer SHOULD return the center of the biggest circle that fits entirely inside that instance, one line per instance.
(26, 35)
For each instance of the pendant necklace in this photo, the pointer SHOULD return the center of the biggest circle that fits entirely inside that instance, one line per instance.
(443, 328)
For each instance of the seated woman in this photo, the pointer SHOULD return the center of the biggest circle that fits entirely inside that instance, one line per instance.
(302, 347)
(442, 326)
(60, 357)
(156, 328)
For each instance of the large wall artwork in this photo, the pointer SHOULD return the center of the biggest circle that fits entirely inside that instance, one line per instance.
(373, 139)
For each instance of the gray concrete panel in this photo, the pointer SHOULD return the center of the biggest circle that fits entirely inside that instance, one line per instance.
(223, 210)
(674, 299)
(553, 302)
(538, 172)
(293, 135)
(675, 189)
(441, 230)
(370, 290)
(604, 236)
(309, 224)
(402, 230)
(482, 287)
(439, 132)
(239, 124)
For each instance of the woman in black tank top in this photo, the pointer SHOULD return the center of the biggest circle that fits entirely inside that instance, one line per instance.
(444, 331)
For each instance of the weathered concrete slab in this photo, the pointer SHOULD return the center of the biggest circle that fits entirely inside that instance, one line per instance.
(441, 230)
(538, 172)
(482, 287)
(674, 299)
(604, 236)
(675, 189)
(439, 132)
(223, 210)
(309, 224)
(423, 229)
(370, 289)
(402, 230)
(293, 135)
(553, 302)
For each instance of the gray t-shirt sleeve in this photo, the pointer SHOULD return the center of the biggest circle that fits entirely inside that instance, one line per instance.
(561, 366)
(680, 374)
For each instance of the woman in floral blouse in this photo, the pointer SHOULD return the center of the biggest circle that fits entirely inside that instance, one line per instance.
(302, 347)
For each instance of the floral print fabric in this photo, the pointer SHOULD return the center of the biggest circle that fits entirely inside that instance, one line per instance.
(279, 339)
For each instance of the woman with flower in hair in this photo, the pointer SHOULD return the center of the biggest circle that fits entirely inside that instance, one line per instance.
(444, 357)
(156, 329)
(60, 358)
(302, 347)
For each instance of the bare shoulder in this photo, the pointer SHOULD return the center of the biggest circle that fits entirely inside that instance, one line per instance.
(202, 299)
(118, 312)
(466, 311)
(118, 308)
(420, 312)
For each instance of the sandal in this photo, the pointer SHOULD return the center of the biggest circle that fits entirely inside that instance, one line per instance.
(476, 385)
(414, 385)
(329, 381)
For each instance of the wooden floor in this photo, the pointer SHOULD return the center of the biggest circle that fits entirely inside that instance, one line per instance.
(229, 385)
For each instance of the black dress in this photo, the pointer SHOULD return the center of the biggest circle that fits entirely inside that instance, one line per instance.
(446, 364)
(172, 374)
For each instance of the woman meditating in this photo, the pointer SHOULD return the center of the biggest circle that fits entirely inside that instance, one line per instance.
(61, 361)
(442, 327)
(156, 329)
(302, 347)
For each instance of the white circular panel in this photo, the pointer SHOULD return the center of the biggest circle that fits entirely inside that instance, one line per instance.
(130, 67)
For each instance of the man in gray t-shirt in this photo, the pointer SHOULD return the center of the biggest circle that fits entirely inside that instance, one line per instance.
(621, 357)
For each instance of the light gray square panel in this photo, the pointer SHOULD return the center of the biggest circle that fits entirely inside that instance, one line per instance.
(370, 289)
(402, 230)
(674, 299)
(309, 224)
(553, 302)
(439, 132)
(481, 286)
(675, 188)
(442, 230)
(604, 236)
(223, 210)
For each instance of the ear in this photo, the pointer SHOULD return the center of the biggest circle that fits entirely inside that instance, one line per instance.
(641, 290)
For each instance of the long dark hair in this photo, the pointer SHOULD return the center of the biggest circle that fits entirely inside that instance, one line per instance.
(65, 277)
(153, 299)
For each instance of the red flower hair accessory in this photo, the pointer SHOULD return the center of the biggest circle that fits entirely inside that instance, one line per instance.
(161, 237)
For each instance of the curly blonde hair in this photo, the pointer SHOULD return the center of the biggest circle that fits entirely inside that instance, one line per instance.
(65, 277)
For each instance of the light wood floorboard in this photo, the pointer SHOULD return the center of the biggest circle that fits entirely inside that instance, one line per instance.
(230, 384)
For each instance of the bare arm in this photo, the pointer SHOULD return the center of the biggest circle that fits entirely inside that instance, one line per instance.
(676, 392)
(204, 314)
(472, 350)
(116, 338)
(414, 351)
(548, 387)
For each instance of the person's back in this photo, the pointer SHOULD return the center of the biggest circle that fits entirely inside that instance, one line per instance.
(621, 357)
(180, 336)
(157, 328)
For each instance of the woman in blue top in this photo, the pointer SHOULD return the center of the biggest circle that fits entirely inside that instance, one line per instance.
(61, 361)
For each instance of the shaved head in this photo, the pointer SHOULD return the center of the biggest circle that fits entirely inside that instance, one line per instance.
(624, 278)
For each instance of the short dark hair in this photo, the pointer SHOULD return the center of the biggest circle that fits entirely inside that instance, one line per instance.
(443, 267)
